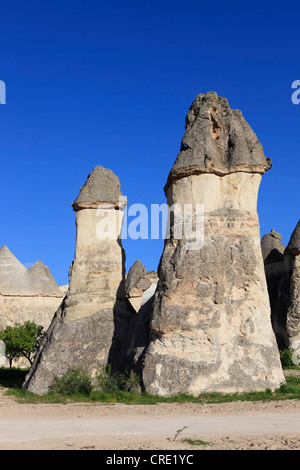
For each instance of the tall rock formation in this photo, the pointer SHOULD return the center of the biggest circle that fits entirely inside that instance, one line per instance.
(292, 252)
(277, 269)
(88, 328)
(210, 326)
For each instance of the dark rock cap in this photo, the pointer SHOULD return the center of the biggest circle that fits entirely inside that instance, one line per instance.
(102, 187)
(137, 280)
(293, 247)
(217, 140)
(272, 247)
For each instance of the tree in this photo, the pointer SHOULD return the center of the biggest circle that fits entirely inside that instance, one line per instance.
(22, 340)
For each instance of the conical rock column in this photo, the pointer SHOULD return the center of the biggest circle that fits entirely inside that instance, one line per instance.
(210, 325)
(88, 328)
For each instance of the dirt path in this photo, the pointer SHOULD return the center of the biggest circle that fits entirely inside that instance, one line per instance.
(257, 425)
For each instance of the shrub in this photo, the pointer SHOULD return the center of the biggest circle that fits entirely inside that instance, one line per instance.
(72, 382)
(109, 382)
(286, 358)
(22, 340)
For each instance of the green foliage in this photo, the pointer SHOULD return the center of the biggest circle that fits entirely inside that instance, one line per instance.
(109, 382)
(72, 382)
(196, 442)
(69, 388)
(290, 388)
(76, 385)
(286, 358)
(22, 340)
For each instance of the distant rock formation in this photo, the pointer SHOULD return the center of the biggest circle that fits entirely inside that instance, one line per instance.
(282, 268)
(15, 279)
(89, 328)
(25, 294)
(277, 270)
(292, 251)
(140, 287)
(272, 247)
(136, 283)
(293, 247)
(210, 325)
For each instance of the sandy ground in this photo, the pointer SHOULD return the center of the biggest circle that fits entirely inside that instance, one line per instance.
(230, 426)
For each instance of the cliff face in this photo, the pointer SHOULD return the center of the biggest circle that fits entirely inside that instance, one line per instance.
(210, 324)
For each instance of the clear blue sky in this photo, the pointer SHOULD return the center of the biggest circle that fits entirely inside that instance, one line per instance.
(109, 83)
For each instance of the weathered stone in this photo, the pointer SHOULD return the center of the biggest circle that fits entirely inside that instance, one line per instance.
(102, 186)
(149, 293)
(89, 327)
(217, 140)
(139, 331)
(16, 280)
(293, 247)
(292, 253)
(136, 283)
(26, 295)
(277, 270)
(13, 275)
(210, 324)
(272, 247)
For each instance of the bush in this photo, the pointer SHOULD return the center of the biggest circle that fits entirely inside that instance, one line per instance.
(286, 358)
(72, 382)
(109, 382)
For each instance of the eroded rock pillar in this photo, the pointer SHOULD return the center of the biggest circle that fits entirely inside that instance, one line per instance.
(210, 325)
(88, 328)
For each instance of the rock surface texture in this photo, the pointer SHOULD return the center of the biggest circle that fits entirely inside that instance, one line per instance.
(282, 268)
(26, 294)
(292, 252)
(277, 269)
(88, 328)
(210, 324)
(140, 287)
(136, 283)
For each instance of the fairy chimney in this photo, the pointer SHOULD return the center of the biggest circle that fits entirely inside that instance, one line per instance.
(88, 328)
(210, 321)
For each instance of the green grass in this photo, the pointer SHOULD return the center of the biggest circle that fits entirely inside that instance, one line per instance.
(13, 379)
(196, 442)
